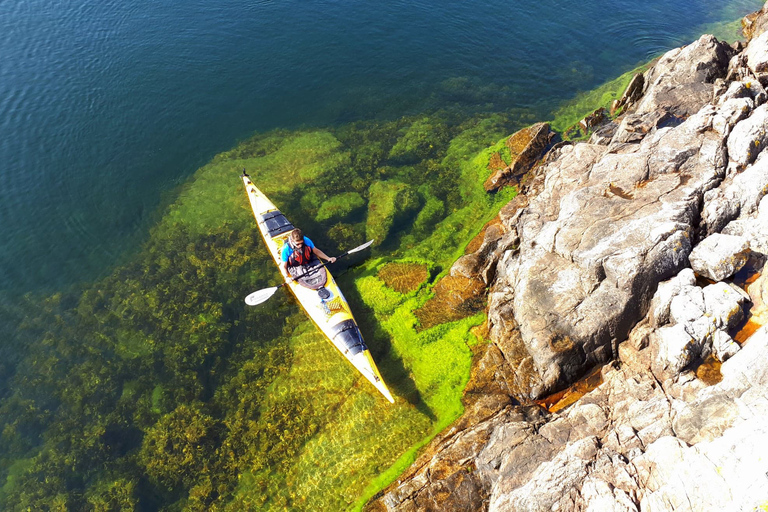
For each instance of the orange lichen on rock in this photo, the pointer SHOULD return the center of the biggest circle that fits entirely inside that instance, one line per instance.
(404, 277)
(496, 163)
(519, 140)
(456, 297)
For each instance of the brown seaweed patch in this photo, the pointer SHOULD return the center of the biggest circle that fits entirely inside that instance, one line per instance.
(404, 277)
(456, 297)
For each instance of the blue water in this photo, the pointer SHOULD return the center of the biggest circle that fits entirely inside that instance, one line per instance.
(106, 106)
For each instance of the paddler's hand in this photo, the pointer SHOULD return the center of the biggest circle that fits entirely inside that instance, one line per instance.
(332, 260)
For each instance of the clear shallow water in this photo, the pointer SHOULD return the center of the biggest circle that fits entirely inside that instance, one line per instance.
(106, 106)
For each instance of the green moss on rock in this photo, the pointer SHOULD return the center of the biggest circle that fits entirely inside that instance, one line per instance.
(420, 141)
(388, 201)
(340, 206)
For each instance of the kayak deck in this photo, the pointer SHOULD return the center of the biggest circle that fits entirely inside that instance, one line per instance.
(325, 305)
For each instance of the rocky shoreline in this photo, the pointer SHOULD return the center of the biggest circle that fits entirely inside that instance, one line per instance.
(643, 250)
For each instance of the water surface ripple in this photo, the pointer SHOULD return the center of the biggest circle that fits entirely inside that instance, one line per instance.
(106, 105)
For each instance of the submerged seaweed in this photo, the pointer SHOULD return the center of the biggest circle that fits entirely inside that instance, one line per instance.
(155, 388)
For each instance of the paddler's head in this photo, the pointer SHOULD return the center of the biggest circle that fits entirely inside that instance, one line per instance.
(297, 238)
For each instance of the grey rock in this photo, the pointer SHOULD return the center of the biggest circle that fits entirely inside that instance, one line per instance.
(730, 113)
(723, 304)
(739, 195)
(687, 306)
(603, 134)
(756, 55)
(667, 290)
(719, 256)
(676, 348)
(605, 229)
(723, 345)
(698, 323)
(681, 82)
(546, 486)
(748, 138)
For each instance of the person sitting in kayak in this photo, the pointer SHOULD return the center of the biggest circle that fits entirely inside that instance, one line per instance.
(299, 251)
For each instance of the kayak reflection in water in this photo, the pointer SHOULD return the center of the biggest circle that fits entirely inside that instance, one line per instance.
(299, 251)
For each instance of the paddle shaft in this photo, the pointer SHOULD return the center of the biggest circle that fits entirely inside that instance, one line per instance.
(317, 269)
(263, 295)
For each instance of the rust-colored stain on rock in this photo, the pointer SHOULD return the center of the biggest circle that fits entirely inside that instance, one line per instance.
(709, 371)
(748, 329)
(562, 399)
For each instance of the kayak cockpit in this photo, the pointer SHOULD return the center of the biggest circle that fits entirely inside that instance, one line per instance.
(347, 335)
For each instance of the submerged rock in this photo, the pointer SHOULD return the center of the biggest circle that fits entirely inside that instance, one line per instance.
(525, 148)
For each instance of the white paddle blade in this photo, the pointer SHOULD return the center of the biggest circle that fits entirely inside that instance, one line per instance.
(260, 296)
(361, 247)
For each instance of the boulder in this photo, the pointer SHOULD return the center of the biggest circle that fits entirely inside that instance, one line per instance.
(748, 138)
(688, 323)
(526, 147)
(719, 256)
(754, 228)
(739, 194)
(605, 229)
(682, 80)
(756, 55)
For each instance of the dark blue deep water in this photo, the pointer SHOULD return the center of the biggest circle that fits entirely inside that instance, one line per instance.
(106, 106)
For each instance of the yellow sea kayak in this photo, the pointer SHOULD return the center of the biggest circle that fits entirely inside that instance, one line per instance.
(325, 304)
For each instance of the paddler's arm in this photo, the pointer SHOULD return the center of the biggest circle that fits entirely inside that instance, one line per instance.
(284, 271)
(322, 255)
(284, 264)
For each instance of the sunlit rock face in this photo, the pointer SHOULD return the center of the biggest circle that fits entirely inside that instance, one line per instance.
(614, 220)
(626, 250)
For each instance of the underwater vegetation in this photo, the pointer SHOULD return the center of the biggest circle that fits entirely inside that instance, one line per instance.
(155, 388)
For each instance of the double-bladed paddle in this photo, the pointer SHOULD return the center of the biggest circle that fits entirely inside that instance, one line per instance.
(263, 295)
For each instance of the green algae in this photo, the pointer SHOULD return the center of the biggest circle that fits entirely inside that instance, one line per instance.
(573, 111)
(388, 203)
(340, 206)
(157, 389)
